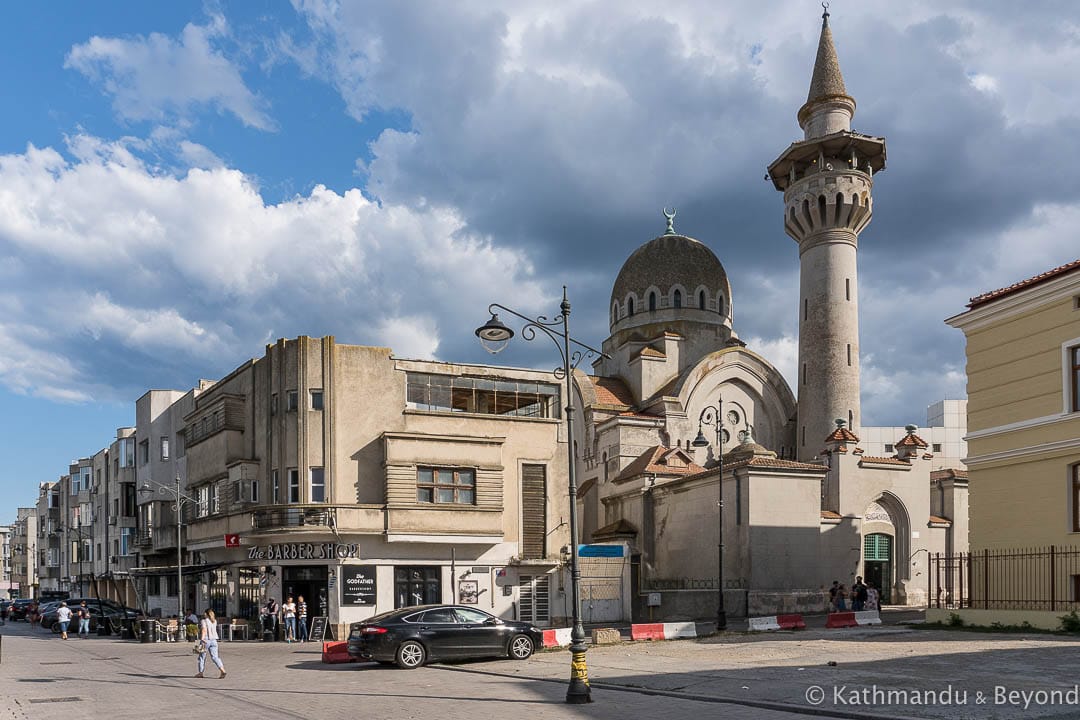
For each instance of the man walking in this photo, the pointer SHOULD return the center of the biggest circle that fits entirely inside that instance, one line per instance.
(84, 620)
(63, 616)
(858, 594)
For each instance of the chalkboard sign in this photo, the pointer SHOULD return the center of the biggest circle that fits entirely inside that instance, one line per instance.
(318, 629)
(357, 584)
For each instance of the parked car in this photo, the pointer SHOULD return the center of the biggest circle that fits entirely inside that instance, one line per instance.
(19, 608)
(415, 635)
(114, 611)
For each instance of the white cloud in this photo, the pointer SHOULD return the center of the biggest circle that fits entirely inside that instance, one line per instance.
(157, 77)
(132, 267)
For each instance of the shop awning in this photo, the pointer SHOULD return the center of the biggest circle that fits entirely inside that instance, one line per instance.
(170, 570)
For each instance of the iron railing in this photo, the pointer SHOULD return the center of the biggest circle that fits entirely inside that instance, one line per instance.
(294, 516)
(1046, 578)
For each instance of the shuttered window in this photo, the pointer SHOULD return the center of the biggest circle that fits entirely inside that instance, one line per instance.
(533, 511)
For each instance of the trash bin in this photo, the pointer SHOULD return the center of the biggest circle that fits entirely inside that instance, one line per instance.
(148, 633)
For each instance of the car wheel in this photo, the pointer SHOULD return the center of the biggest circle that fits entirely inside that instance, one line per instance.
(410, 654)
(521, 647)
(56, 627)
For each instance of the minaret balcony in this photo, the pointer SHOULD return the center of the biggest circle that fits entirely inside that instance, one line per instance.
(844, 151)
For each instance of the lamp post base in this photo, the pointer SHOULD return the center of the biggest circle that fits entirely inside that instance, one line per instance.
(721, 621)
(579, 692)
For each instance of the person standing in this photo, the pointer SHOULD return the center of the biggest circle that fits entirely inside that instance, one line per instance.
(301, 618)
(832, 595)
(872, 597)
(209, 638)
(288, 612)
(63, 616)
(270, 611)
(858, 594)
(84, 620)
(841, 599)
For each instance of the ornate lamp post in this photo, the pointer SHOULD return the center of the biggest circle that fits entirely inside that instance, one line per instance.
(181, 500)
(494, 336)
(713, 415)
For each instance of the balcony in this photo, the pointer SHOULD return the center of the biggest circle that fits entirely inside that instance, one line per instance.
(144, 538)
(294, 516)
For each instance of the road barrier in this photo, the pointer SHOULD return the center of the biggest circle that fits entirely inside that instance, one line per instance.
(335, 652)
(664, 631)
(777, 622)
(559, 637)
(853, 619)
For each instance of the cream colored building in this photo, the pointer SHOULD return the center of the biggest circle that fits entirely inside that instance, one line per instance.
(366, 482)
(1023, 368)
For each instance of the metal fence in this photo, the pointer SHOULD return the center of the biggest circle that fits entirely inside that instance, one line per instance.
(1046, 578)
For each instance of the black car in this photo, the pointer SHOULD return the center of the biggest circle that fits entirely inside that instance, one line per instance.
(18, 609)
(415, 635)
(115, 612)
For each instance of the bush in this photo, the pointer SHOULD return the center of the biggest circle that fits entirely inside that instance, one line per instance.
(955, 620)
(1070, 623)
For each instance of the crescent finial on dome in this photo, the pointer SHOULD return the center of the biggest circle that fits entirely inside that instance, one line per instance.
(670, 221)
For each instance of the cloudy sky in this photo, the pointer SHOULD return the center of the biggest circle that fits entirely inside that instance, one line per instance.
(182, 182)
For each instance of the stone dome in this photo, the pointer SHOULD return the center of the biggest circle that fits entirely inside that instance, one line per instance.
(679, 272)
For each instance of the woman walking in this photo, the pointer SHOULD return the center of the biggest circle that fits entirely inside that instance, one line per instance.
(209, 638)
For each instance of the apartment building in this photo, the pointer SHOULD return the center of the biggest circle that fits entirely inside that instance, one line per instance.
(24, 552)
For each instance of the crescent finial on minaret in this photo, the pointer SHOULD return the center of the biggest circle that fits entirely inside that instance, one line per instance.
(670, 221)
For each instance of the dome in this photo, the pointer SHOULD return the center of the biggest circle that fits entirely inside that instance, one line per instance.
(678, 272)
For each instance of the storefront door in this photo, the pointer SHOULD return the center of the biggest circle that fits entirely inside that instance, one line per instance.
(309, 582)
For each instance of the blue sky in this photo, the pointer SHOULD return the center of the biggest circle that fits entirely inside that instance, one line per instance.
(181, 183)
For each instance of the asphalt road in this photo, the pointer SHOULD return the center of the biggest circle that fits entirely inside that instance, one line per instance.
(931, 674)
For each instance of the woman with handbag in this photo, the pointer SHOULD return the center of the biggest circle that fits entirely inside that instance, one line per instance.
(208, 643)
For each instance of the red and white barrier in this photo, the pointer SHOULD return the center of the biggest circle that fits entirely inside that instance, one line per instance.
(559, 637)
(663, 631)
(853, 619)
(777, 622)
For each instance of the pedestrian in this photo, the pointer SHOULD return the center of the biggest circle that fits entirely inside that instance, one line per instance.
(84, 620)
(63, 616)
(209, 638)
(841, 597)
(858, 595)
(301, 618)
(191, 625)
(270, 611)
(288, 611)
(872, 597)
(832, 595)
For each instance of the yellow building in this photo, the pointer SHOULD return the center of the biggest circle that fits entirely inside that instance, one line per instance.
(1023, 369)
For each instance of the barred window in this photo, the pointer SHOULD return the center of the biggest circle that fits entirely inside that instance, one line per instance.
(446, 485)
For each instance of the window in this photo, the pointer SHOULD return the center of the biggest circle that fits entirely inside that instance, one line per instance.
(936, 447)
(127, 452)
(485, 396)
(165, 448)
(701, 299)
(294, 485)
(677, 298)
(533, 511)
(318, 485)
(248, 593)
(849, 354)
(290, 401)
(273, 404)
(416, 586)
(630, 306)
(254, 491)
(218, 591)
(1074, 378)
(1075, 489)
(446, 485)
(316, 400)
(153, 585)
(652, 301)
(847, 288)
(127, 540)
(144, 452)
(171, 587)
(202, 497)
(215, 498)
(275, 486)
(888, 447)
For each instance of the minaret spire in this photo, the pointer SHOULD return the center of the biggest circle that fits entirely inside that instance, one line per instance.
(828, 106)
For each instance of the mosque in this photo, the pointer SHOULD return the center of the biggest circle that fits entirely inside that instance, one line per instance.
(690, 436)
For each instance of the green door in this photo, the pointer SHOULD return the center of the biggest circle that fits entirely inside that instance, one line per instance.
(877, 560)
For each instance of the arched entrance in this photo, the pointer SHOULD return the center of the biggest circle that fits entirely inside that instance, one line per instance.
(886, 545)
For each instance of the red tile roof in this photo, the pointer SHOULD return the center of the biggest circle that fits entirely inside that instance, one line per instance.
(911, 440)
(653, 461)
(830, 515)
(842, 434)
(1016, 287)
(648, 351)
(611, 391)
(935, 520)
(883, 461)
(760, 461)
(958, 473)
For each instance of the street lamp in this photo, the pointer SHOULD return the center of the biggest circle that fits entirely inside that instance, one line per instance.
(181, 499)
(494, 336)
(713, 415)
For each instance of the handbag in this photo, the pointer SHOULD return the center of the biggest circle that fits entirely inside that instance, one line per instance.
(199, 647)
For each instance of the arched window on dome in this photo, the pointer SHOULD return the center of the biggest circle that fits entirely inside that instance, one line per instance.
(701, 299)
(720, 304)
(652, 301)
(630, 306)
(615, 313)
(677, 299)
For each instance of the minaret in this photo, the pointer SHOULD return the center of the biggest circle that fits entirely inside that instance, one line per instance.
(826, 179)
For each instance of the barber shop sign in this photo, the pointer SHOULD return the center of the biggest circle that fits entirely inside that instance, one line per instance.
(304, 551)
